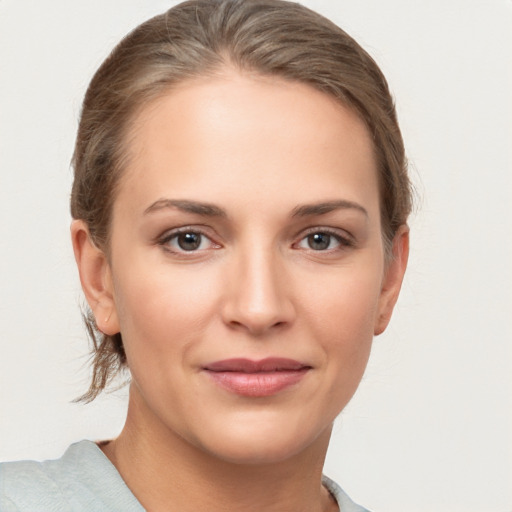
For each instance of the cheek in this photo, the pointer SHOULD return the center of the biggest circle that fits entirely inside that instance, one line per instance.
(342, 313)
(344, 304)
(162, 312)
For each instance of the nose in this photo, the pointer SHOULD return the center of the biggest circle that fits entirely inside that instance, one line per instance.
(258, 298)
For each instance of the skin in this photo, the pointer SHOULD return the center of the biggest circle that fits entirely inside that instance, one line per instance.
(257, 149)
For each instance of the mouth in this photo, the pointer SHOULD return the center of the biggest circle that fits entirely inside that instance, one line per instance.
(261, 378)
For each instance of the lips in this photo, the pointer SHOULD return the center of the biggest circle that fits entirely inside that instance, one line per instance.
(261, 378)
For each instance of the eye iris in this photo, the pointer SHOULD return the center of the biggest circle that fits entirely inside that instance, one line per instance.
(319, 241)
(189, 241)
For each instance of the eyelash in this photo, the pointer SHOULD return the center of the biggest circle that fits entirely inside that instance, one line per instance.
(343, 242)
(164, 241)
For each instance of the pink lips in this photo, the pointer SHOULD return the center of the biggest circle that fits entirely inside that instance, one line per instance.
(256, 378)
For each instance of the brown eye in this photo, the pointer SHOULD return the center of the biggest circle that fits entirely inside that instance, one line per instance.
(189, 241)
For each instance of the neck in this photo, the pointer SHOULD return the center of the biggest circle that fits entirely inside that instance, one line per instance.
(162, 468)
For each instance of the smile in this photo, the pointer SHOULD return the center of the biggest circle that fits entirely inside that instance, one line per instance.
(256, 378)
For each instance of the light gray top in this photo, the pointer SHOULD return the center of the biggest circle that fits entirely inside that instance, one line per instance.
(84, 480)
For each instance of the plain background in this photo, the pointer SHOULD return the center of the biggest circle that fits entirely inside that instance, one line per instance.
(431, 425)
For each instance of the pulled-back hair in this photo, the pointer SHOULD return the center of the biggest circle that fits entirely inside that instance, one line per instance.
(199, 38)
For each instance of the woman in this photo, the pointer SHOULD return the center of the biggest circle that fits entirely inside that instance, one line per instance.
(240, 205)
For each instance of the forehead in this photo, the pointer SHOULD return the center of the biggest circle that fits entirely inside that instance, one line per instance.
(248, 135)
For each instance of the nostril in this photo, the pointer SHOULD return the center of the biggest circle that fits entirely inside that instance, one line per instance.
(257, 307)
(257, 327)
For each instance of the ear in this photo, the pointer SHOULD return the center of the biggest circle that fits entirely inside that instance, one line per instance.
(95, 277)
(393, 277)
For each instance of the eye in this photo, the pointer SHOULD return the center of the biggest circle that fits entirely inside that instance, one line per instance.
(323, 241)
(319, 241)
(186, 240)
(189, 241)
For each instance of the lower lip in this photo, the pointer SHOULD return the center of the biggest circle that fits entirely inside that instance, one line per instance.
(257, 384)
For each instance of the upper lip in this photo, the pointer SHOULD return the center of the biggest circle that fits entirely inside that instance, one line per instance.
(269, 364)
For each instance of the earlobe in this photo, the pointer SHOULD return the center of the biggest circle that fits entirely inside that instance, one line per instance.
(95, 277)
(393, 278)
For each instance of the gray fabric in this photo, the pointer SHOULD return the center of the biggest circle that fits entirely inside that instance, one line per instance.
(344, 502)
(83, 479)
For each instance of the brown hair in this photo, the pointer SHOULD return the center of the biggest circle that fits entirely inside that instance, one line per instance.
(198, 38)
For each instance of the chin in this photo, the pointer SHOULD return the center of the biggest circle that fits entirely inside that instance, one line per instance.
(264, 442)
(253, 453)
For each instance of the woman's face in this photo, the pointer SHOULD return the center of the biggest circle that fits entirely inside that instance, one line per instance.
(247, 270)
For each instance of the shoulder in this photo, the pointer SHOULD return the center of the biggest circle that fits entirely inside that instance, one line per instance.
(344, 502)
(82, 479)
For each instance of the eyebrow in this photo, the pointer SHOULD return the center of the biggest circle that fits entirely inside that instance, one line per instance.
(211, 210)
(327, 207)
(206, 209)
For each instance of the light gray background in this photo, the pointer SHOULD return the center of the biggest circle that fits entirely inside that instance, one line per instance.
(431, 426)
